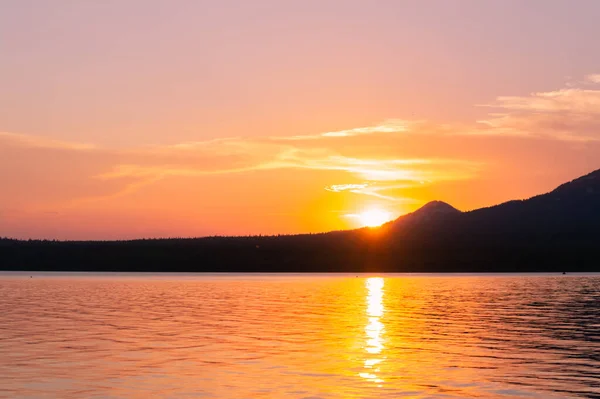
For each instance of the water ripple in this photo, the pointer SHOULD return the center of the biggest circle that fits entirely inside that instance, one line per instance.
(311, 336)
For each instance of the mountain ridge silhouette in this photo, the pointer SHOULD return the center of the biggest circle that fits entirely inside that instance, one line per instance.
(556, 231)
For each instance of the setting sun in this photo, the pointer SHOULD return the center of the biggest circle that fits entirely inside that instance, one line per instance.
(374, 218)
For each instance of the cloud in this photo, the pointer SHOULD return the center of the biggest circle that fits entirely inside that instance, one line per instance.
(562, 126)
(593, 78)
(389, 126)
(374, 190)
(364, 189)
(41, 142)
(414, 170)
(564, 100)
(102, 173)
(568, 114)
(337, 188)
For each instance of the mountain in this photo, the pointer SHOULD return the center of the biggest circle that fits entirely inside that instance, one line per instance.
(436, 208)
(575, 205)
(432, 212)
(545, 232)
(557, 231)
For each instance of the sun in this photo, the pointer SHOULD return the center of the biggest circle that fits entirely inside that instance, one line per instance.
(374, 217)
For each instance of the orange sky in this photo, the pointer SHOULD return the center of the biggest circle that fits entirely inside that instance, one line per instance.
(197, 120)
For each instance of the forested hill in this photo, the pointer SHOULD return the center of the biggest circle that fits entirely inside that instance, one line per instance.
(558, 231)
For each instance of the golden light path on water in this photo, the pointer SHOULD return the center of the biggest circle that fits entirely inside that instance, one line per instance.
(374, 329)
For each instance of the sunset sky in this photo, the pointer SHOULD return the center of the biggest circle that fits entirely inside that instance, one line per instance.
(153, 118)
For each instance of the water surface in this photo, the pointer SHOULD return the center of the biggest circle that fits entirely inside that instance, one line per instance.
(299, 336)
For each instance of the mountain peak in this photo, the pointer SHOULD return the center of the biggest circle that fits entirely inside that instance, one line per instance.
(434, 210)
(436, 207)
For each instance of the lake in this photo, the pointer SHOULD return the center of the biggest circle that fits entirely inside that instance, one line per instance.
(65, 335)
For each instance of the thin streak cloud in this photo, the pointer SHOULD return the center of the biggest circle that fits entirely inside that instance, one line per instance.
(389, 126)
(42, 142)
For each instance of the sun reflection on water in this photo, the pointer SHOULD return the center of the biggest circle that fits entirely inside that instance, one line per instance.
(374, 329)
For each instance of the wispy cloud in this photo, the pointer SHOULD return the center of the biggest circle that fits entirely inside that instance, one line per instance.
(414, 170)
(568, 114)
(42, 142)
(375, 190)
(389, 126)
(571, 100)
(593, 78)
(338, 188)
(127, 170)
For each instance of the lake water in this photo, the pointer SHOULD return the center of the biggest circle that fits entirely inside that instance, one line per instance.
(299, 336)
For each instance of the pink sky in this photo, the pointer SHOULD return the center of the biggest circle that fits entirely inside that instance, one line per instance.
(122, 119)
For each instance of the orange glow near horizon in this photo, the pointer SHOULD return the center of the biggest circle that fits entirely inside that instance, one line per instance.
(273, 189)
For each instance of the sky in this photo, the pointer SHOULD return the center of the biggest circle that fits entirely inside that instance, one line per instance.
(152, 118)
